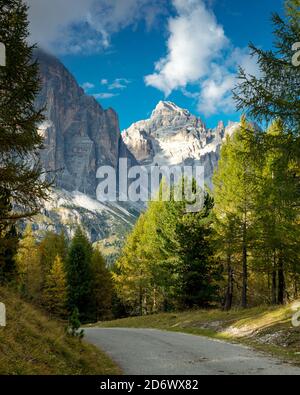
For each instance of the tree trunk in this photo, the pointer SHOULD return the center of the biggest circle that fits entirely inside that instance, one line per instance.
(154, 300)
(245, 279)
(296, 287)
(229, 291)
(274, 281)
(281, 281)
(245, 266)
(141, 301)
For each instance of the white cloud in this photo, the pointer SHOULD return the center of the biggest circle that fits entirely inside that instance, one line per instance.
(116, 85)
(215, 92)
(119, 83)
(105, 95)
(195, 39)
(87, 86)
(84, 26)
(216, 89)
(199, 53)
(48, 19)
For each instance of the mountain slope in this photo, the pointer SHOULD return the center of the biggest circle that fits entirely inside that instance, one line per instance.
(31, 343)
(108, 223)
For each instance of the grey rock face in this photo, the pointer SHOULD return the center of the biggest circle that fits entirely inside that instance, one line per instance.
(173, 136)
(79, 134)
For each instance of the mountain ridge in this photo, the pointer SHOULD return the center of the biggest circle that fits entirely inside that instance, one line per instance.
(174, 136)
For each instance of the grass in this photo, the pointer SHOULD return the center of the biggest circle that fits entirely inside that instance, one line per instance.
(265, 328)
(32, 344)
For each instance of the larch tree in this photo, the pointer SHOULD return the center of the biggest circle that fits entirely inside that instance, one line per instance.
(52, 245)
(276, 210)
(28, 265)
(234, 188)
(132, 275)
(55, 290)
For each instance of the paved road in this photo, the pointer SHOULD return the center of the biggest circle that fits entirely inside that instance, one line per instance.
(154, 352)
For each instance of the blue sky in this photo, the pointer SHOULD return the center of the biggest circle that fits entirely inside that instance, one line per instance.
(131, 54)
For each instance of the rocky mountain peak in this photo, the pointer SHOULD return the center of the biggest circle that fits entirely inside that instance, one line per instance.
(170, 117)
(174, 136)
(166, 108)
(80, 136)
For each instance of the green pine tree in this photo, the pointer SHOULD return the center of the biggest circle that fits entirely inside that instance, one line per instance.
(8, 249)
(8, 238)
(198, 272)
(74, 324)
(275, 93)
(20, 170)
(78, 270)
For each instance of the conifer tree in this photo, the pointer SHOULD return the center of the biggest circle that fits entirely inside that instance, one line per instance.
(20, 170)
(74, 325)
(275, 93)
(8, 249)
(55, 291)
(276, 211)
(160, 250)
(234, 188)
(273, 96)
(198, 272)
(28, 266)
(165, 260)
(8, 238)
(132, 275)
(147, 271)
(78, 271)
(102, 287)
(52, 245)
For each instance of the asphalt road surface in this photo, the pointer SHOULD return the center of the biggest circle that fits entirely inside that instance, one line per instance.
(154, 352)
